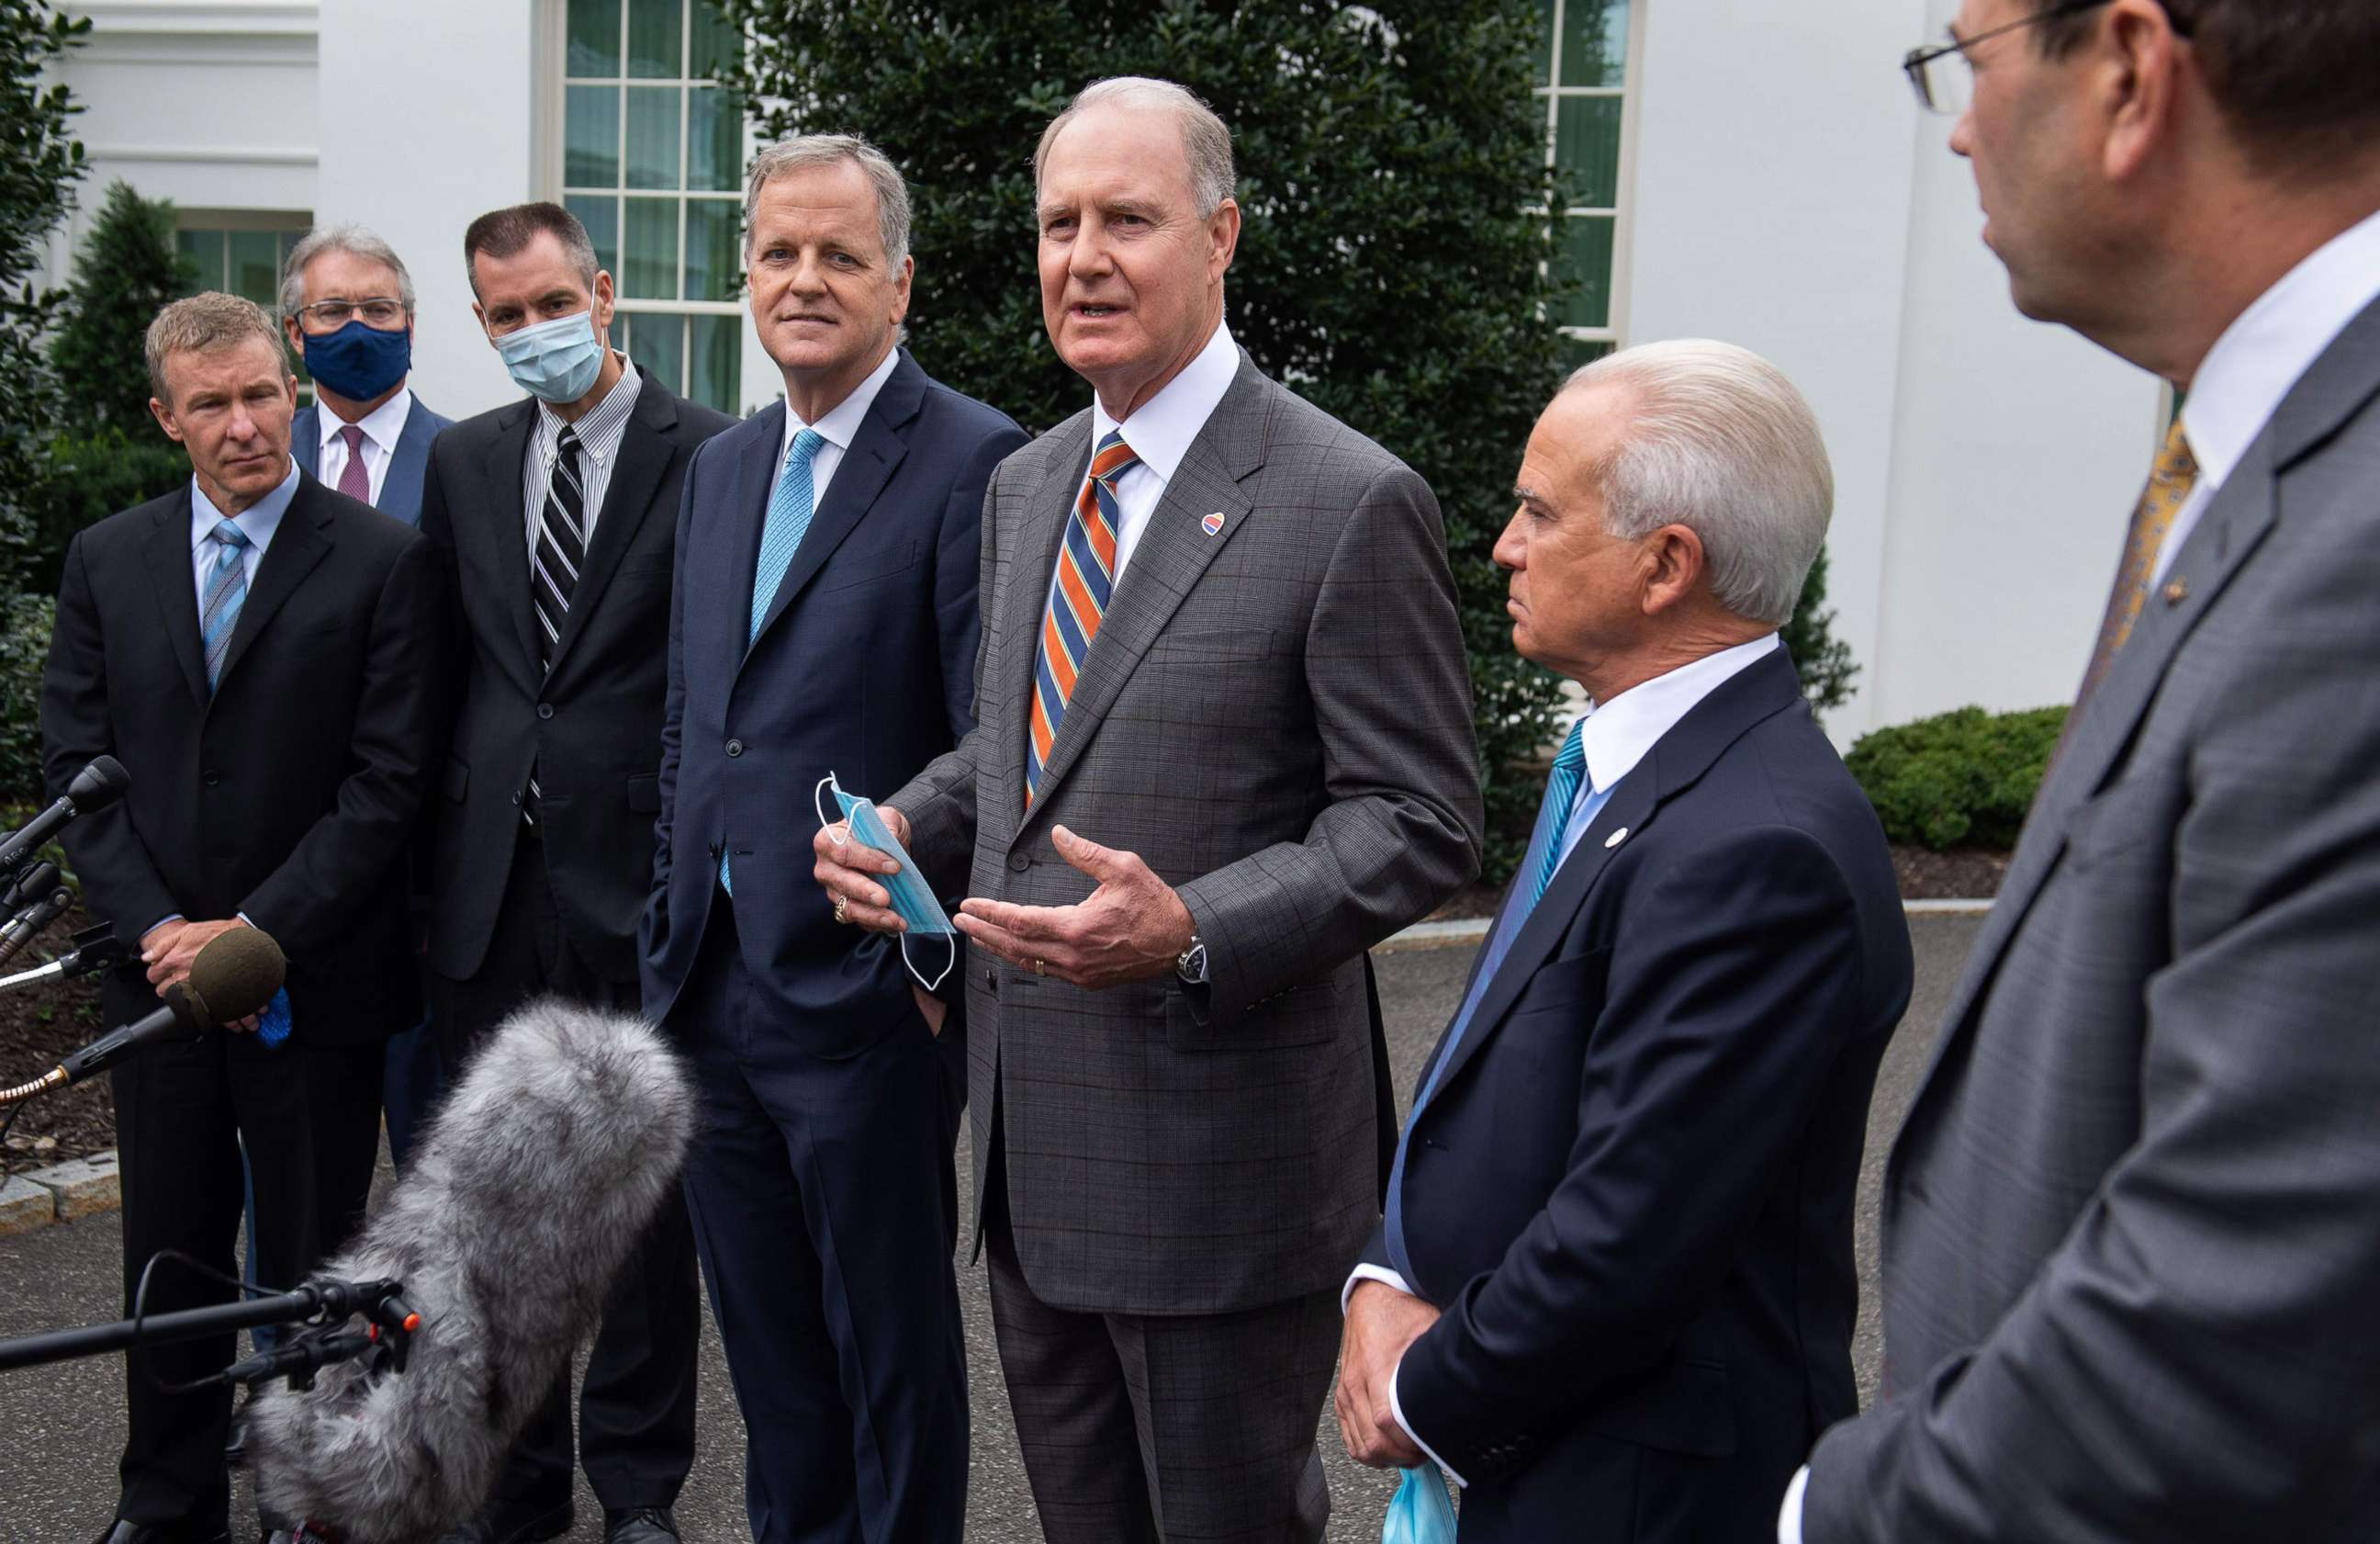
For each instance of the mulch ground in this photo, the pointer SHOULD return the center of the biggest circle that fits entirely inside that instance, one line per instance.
(39, 1024)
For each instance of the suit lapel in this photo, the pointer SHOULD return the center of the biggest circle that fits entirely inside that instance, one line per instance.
(303, 540)
(400, 491)
(747, 511)
(173, 573)
(1045, 508)
(1173, 553)
(502, 531)
(876, 447)
(306, 440)
(644, 457)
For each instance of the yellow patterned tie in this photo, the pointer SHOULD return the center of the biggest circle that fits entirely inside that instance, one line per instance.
(2174, 475)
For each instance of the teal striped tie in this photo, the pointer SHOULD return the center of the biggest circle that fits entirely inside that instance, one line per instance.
(1561, 794)
(226, 590)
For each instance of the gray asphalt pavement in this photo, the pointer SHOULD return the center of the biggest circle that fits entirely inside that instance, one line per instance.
(60, 1426)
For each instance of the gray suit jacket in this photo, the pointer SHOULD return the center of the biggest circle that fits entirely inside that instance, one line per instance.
(1277, 717)
(2132, 1224)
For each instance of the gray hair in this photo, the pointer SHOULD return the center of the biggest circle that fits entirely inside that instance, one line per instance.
(1719, 441)
(818, 149)
(201, 323)
(340, 238)
(1205, 143)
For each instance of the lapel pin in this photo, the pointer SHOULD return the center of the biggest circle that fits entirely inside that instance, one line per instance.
(1213, 524)
(1616, 837)
(2177, 592)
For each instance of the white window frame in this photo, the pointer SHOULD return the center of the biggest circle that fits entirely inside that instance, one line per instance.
(1552, 93)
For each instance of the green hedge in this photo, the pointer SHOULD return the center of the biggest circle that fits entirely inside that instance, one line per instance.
(25, 623)
(1961, 779)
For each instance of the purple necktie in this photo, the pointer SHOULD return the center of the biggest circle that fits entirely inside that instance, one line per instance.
(354, 481)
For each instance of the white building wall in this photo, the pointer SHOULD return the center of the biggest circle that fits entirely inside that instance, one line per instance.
(1792, 198)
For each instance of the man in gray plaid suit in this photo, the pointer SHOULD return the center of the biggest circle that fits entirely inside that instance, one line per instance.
(1222, 745)
(2131, 1228)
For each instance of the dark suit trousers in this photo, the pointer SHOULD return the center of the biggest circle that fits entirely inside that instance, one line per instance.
(636, 1407)
(1164, 1429)
(309, 1118)
(825, 1206)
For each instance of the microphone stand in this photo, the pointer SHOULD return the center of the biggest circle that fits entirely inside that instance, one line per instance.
(391, 1326)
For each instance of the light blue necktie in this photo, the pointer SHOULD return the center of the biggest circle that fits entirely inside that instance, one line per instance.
(1561, 809)
(226, 591)
(789, 517)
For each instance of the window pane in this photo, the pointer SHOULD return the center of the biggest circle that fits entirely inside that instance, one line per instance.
(1586, 251)
(1595, 43)
(1544, 66)
(714, 141)
(649, 256)
(715, 43)
(205, 250)
(661, 348)
(712, 258)
(255, 266)
(718, 360)
(653, 38)
(601, 217)
(595, 38)
(591, 136)
(1586, 144)
(652, 136)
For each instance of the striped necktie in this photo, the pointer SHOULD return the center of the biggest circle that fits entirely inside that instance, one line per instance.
(1561, 794)
(226, 591)
(790, 507)
(560, 544)
(1078, 600)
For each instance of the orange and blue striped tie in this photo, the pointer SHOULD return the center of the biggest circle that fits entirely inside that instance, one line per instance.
(1086, 565)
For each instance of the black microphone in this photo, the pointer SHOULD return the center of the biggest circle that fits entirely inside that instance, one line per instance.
(527, 1192)
(95, 787)
(34, 884)
(96, 948)
(234, 974)
(38, 900)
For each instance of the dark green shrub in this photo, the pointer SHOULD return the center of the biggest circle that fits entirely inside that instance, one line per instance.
(1824, 660)
(1961, 779)
(94, 475)
(1389, 269)
(127, 271)
(25, 622)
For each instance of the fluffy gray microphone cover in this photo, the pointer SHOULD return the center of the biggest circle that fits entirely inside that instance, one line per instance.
(528, 1192)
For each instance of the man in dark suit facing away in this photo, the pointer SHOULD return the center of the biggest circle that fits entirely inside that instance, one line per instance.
(555, 517)
(1613, 1291)
(346, 307)
(824, 623)
(263, 654)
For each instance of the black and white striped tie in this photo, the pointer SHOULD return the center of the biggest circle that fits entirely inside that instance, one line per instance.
(561, 552)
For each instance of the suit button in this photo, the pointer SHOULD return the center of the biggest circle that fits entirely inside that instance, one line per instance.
(1019, 862)
(714, 852)
(545, 710)
(211, 777)
(516, 796)
(991, 981)
(735, 748)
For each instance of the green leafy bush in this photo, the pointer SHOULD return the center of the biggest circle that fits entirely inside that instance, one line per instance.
(1389, 269)
(1961, 779)
(25, 622)
(1823, 660)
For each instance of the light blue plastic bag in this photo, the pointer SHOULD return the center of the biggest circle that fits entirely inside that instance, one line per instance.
(1419, 1513)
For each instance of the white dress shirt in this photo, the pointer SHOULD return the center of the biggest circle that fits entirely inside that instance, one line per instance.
(381, 427)
(258, 522)
(1618, 735)
(2261, 355)
(2235, 394)
(600, 430)
(836, 426)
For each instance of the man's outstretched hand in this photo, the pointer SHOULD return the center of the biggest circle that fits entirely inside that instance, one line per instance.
(1132, 928)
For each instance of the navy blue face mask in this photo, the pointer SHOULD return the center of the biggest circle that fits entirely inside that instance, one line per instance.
(358, 361)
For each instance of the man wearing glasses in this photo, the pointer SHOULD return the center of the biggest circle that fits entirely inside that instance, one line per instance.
(2132, 1227)
(346, 305)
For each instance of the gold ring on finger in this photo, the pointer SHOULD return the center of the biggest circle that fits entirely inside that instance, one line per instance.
(840, 903)
(1040, 967)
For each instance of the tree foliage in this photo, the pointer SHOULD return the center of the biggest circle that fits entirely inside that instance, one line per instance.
(1824, 660)
(1964, 778)
(40, 162)
(1389, 268)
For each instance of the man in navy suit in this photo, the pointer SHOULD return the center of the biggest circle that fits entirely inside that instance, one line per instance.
(1613, 1293)
(346, 305)
(823, 620)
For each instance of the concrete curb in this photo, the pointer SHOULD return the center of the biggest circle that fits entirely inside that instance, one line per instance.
(60, 1193)
(1470, 929)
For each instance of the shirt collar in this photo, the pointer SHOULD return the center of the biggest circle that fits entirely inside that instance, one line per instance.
(381, 426)
(260, 520)
(602, 427)
(1619, 733)
(2267, 346)
(839, 423)
(1160, 431)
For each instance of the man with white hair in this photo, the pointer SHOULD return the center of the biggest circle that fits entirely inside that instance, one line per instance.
(1613, 1293)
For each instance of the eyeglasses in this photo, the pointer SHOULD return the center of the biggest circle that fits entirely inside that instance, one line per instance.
(1944, 86)
(330, 315)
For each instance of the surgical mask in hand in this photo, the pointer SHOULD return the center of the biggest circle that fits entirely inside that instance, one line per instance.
(913, 898)
(1419, 1512)
(557, 359)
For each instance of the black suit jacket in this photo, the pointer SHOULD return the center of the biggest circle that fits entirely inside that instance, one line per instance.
(1631, 1190)
(864, 666)
(289, 794)
(592, 728)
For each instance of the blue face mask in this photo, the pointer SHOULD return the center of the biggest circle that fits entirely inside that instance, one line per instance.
(557, 359)
(913, 898)
(358, 361)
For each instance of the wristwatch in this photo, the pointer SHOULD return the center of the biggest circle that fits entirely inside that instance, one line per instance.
(1191, 964)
